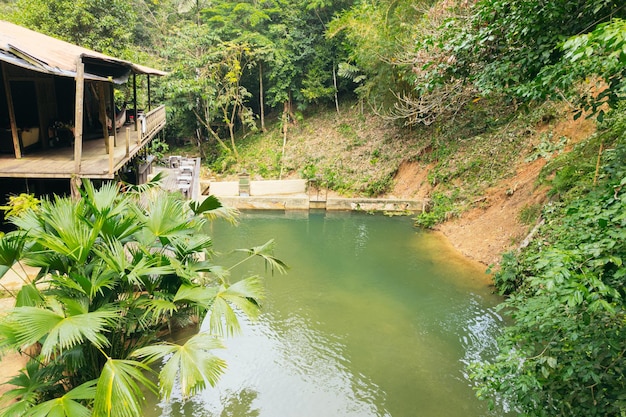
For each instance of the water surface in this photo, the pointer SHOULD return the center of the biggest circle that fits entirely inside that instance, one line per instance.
(374, 318)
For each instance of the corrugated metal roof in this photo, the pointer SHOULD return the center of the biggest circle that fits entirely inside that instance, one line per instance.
(38, 52)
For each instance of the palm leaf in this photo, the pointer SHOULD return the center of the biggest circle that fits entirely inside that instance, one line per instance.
(28, 383)
(265, 252)
(29, 295)
(114, 255)
(208, 204)
(140, 189)
(118, 393)
(245, 295)
(118, 220)
(201, 295)
(242, 296)
(104, 200)
(65, 231)
(11, 250)
(67, 406)
(156, 308)
(212, 208)
(31, 325)
(166, 217)
(193, 364)
(190, 245)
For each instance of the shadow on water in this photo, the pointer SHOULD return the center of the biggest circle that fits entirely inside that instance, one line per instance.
(375, 318)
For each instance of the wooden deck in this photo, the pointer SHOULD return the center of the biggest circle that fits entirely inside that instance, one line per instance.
(95, 161)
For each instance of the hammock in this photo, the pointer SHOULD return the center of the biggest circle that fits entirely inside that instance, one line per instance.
(120, 118)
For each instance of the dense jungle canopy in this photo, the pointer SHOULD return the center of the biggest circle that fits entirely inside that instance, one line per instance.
(418, 64)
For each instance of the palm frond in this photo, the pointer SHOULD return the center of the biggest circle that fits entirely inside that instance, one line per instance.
(196, 294)
(190, 245)
(105, 200)
(244, 296)
(29, 295)
(30, 384)
(212, 208)
(65, 232)
(140, 189)
(265, 251)
(11, 249)
(192, 363)
(209, 203)
(66, 405)
(133, 268)
(118, 391)
(157, 308)
(32, 324)
(166, 217)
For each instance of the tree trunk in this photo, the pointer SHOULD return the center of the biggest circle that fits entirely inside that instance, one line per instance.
(261, 100)
(286, 111)
(199, 143)
(335, 85)
(231, 130)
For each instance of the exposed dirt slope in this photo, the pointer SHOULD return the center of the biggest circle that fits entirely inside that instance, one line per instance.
(492, 225)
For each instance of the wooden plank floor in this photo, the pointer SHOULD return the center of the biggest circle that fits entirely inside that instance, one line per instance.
(59, 162)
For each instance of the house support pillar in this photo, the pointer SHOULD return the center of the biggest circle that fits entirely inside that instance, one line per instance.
(14, 134)
(78, 114)
(135, 102)
(103, 114)
(149, 95)
(75, 184)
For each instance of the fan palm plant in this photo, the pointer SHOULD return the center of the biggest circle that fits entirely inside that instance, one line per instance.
(117, 272)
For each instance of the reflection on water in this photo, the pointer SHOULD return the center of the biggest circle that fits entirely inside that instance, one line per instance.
(373, 319)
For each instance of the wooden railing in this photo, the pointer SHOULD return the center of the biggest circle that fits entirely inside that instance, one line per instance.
(152, 123)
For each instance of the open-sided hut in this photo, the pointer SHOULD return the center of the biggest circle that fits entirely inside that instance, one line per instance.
(58, 120)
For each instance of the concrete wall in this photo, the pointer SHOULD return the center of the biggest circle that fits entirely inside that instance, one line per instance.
(277, 187)
(258, 188)
(266, 203)
(291, 195)
(224, 188)
(374, 204)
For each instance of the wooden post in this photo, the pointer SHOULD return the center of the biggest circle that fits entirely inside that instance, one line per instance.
(113, 119)
(149, 95)
(111, 154)
(135, 100)
(78, 114)
(75, 183)
(127, 141)
(103, 114)
(7, 88)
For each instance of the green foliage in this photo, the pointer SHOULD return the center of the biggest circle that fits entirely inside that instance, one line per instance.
(117, 269)
(104, 25)
(442, 207)
(378, 187)
(563, 353)
(600, 53)
(529, 214)
(158, 149)
(309, 172)
(547, 147)
(510, 42)
(20, 204)
(508, 279)
(376, 33)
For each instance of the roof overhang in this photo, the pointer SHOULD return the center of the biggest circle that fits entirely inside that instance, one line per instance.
(38, 52)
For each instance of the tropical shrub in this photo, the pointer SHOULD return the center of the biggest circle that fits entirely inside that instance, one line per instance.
(564, 353)
(118, 272)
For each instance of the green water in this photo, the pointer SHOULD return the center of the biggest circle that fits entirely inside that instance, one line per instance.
(374, 318)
